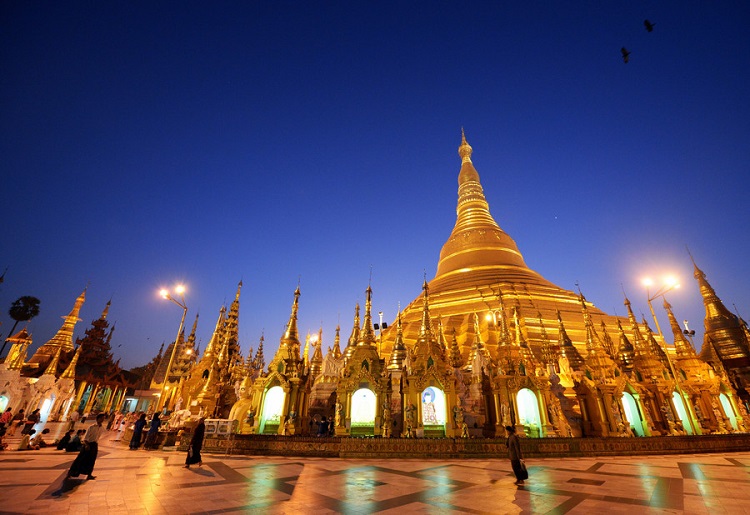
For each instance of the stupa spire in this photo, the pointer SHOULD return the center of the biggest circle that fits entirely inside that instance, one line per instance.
(567, 349)
(367, 334)
(106, 310)
(722, 327)
(52, 367)
(625, 356)
(70, 372)
(476, 240)
(398, 355)
(215, 341)
(354, 336)
(289, 344)
(337, 343)
(682, 346)
(64, 337)
(425, 329)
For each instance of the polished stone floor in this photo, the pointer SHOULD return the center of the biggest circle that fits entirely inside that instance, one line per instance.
(156, 482)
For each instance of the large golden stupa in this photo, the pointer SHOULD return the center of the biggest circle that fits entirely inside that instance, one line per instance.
(481, 270)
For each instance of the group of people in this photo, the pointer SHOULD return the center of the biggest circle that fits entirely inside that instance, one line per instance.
(149, 439)
(9, 422)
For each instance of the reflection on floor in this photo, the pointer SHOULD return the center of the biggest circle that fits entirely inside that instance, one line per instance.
(156, 482)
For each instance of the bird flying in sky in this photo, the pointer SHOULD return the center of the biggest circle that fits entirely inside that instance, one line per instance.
(649, 26)
(625, 54)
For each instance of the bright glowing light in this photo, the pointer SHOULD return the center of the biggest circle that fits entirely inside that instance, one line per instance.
(488, 316)
(314, 338)
(189, 352)
(647, 281)
(164, 293)
(671, 280)
(180, 289)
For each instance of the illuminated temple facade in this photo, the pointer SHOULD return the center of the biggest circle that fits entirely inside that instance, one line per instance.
(487, 343)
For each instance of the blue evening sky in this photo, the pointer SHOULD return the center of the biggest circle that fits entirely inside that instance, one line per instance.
(146, 143)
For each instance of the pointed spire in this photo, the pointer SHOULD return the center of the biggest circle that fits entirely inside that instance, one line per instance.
(70, 371)
(567, 348)
(106, 310)
(289, 345)
(306, 352)
(721, 325)
(337, 343)
(609, 345)
(292, 334)
(367, 334)
(353, 337)
(593, 344)
(682, 346)
(398, 354)
(64, 337)
(456, 360)
(316, 362)
(213, 346)
(640, 346)
(425, 329)
(625, 352)
(231, 337)
(52, 367)
(191, 338)
(259, 361)
(654, 347)
(476, 237)
(464, 149)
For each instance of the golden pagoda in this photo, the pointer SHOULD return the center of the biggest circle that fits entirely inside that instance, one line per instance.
(62, 340)
(476, 352)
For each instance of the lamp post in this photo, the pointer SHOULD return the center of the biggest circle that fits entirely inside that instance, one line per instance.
(670, 283)
(165, 294)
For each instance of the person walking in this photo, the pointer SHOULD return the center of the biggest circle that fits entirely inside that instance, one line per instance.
(135, 441)
(86, 459)
(514, 453)
(152, 436)
(196, 444)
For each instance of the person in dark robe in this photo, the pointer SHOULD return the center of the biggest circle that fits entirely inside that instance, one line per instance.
(196, 444)
(75, 443)
(86, 459)
(515, 456)
(65, 440)
(152, 436)
(135, 442)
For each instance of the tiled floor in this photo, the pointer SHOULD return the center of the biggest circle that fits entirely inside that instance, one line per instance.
(155, 482)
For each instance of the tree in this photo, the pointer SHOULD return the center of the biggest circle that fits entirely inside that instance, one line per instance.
(23, 309)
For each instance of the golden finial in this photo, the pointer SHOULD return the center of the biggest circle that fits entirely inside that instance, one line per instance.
(464, 150)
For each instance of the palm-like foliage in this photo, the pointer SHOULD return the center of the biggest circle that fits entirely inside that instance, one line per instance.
(23, 309)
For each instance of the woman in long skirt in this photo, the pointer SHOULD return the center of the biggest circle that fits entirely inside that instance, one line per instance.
(196, 444)
(135, 442)
(153, 433)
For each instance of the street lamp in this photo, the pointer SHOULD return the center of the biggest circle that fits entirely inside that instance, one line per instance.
(165, 294)
(669, 283)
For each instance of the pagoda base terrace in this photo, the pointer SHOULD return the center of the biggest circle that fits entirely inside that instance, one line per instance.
(453, 448)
